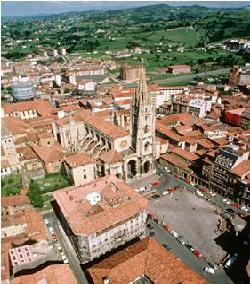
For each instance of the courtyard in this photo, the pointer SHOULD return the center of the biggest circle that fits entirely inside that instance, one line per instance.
(193, 218)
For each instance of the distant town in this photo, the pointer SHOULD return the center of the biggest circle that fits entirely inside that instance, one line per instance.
(125, 141)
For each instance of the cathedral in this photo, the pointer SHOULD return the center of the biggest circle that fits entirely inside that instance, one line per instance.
(126, 154)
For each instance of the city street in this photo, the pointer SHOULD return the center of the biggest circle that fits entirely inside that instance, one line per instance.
(68, 249)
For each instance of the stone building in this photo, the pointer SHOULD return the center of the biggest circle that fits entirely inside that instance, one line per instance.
(222, 179)
(80, 167)
(100, 216)
(135, 152)
(130, 73)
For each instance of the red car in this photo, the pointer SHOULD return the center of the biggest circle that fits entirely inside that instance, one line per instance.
(236, 205)
(177, 175)
(203, 189)
(170, 190)
(156, 183)
(187, 180)
(197, 253)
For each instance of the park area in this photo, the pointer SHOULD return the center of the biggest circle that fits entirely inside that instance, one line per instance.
(40, 190)
(11, 185)
(193, 218)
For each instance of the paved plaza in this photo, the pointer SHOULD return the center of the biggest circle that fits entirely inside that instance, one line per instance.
(193, 218)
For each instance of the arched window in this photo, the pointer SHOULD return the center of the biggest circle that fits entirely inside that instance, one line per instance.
(146, 146)
(146, 129)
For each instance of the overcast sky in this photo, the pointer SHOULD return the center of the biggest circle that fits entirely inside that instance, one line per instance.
(25, 8)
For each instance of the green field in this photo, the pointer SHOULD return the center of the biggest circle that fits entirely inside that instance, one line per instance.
(52, 182)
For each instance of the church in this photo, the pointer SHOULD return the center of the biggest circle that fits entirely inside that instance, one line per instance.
(114, 150)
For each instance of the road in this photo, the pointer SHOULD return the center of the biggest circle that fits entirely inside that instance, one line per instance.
(68, 249)
(192, 76)
(197, 264)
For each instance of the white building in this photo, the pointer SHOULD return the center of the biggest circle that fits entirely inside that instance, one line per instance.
(101, 215)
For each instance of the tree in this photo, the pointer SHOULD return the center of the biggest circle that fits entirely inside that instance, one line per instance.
(35, 195)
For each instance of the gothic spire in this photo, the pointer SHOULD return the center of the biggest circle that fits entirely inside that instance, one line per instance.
(142, 90)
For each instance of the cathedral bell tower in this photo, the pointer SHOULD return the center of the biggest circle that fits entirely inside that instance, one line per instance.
(142, 128)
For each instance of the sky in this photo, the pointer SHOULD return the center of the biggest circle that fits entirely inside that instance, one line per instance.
(27, 8)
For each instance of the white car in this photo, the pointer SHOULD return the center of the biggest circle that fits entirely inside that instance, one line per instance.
(167, 170)
(137, 190)
(199, 193)
(142, 188)
(244, 208)
(173, 233)
(165, 193)
(212, 193)
(209, 270)
(231, 260)
(66, 261)
(59, 247)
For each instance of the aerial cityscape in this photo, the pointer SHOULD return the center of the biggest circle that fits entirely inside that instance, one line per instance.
(125, 142)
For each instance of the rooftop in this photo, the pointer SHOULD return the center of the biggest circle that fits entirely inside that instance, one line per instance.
(77, 160)
(53, 274)
(118, 202)
(145, 257)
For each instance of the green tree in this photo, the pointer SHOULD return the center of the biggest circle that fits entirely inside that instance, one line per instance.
(35, 195)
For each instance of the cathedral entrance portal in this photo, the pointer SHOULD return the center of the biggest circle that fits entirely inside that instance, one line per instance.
(131, 168)
(146, 167)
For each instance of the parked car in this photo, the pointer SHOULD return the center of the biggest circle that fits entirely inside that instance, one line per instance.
(173, 233)
(181, 241)
(191, 248)
(236, 205)
(165, 192)
(167, 247)
(209, 270)
(197, 253)
(231, 260)
(199, 193)
(177, 175)
(167, 170)
(152, 233)
(156, 183)
(212, 193)
(46, 221)
(170, 190)
(244, 208)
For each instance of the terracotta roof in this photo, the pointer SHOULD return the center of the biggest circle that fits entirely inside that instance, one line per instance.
(145, 257)
(176, 162)
(184, 154)
(27, 152)
(242, 169)
(35, 225)
(5, 164)
(110, 157)
(17, 126)
(15, 200)
(52, 274)
(119, 202)
(79, 159)
(168, 132)
(105, 127)
(50, 153)
(43, 107)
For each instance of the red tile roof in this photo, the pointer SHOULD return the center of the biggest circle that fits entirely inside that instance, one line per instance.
(110, 157)
(50, 153)
(79, 159)
(145, 257)
(176, 162)
(42, 107)
(242, 169)
(184, 154)
(119, 202)
(52, 274)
